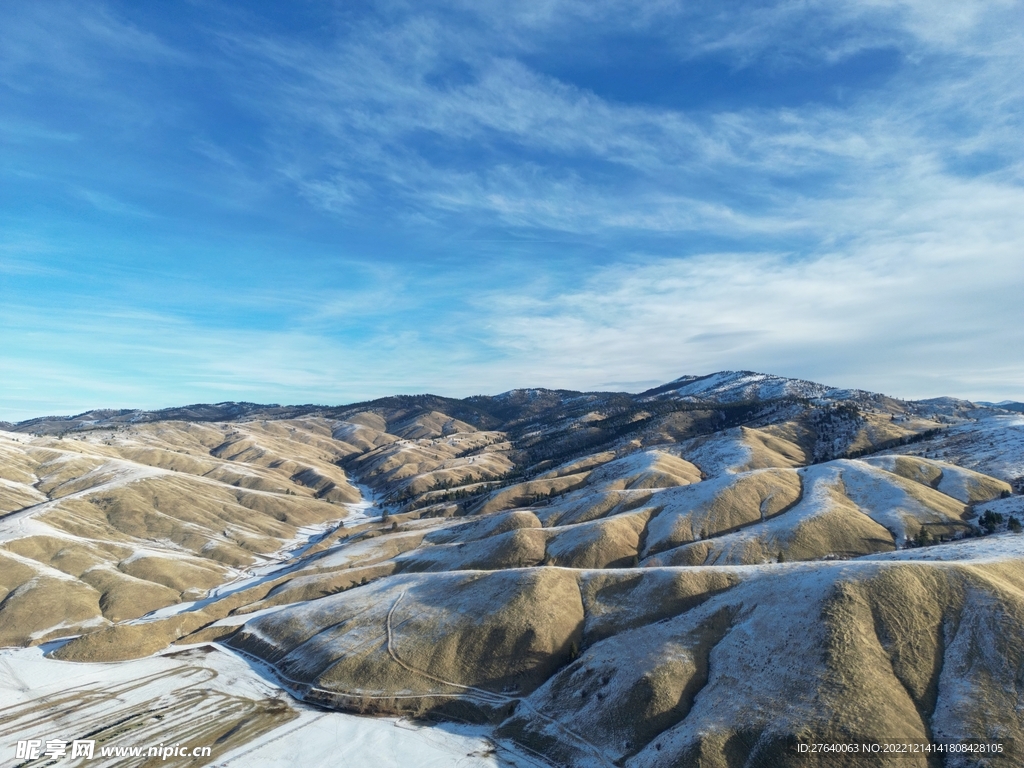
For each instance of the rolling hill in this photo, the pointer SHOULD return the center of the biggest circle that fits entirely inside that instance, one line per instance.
(707, 573)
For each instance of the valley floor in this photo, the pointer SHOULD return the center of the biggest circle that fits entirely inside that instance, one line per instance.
(204, 695)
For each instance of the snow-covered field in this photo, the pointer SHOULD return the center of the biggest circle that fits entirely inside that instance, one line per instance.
(992, 444)
(1005, 546)
(198, 695)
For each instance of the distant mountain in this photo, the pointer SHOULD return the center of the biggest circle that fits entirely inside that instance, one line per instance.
(734, 386)
(515, 406)
(1006, 405)
(106, 418)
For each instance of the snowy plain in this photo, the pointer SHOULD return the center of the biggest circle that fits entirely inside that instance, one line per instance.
(35, 692)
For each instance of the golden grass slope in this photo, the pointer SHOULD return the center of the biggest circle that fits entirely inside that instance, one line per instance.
(414, 637)
(844, 508)
(110, 525)
(666, 667)
(836, 652)
(429, 454)
(693, 604)
(146, 516)
(599, 476)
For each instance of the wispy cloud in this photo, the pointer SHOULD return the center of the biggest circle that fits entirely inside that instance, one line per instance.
(20, 131)
(108, 204)
(117, 357)
(907, 324)
(527, 150)
(79, 42)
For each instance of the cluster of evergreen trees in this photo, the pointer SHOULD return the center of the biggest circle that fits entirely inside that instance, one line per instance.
(990, 521)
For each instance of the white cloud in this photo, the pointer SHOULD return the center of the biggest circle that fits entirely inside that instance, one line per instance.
(109, 204)
(903, 319)
(582, 163)
(76, 42)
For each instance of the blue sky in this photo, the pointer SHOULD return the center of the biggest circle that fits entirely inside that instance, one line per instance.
(317, 202)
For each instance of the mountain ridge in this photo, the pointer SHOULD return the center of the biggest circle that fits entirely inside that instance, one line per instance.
(723, 387)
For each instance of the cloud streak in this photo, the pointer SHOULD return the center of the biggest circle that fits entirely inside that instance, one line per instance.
(582, 163)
